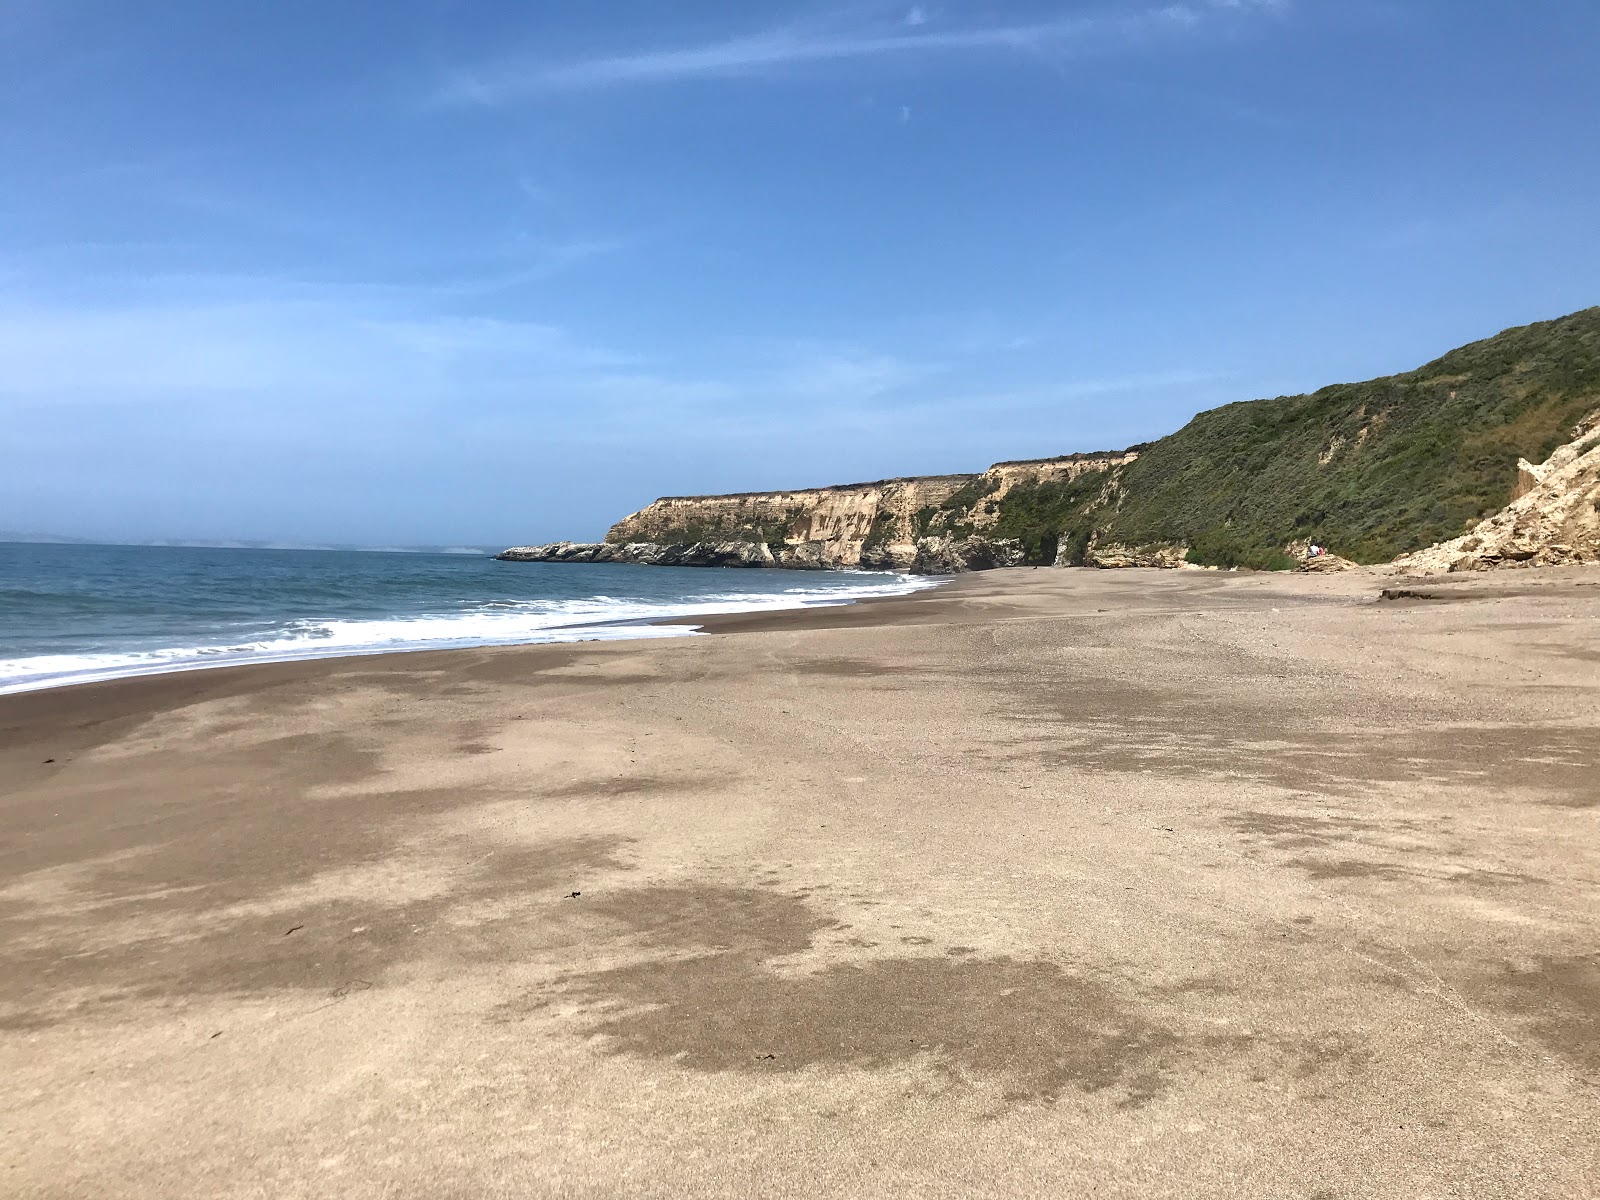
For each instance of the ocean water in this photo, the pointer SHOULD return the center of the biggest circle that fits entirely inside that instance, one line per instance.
(70, 614)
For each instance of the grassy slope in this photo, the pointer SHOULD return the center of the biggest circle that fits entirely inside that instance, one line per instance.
(1439, 452)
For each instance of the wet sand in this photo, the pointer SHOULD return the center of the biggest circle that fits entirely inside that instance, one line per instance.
(1049, 883)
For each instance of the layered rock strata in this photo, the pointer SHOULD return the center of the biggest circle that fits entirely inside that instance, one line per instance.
(809, 528)
(911, 524)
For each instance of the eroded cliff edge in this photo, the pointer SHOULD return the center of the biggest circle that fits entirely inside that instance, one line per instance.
(931, 524)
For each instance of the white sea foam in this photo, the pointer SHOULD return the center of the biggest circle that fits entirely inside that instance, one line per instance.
(494, 623)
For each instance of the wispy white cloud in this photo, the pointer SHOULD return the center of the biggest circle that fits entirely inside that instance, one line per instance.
(285, 344)
(913, 33)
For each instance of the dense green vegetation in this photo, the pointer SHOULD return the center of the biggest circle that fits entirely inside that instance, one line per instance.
(1371, 469)
(1044, 515)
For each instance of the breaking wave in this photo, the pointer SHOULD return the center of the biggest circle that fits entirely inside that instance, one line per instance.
(489, 623)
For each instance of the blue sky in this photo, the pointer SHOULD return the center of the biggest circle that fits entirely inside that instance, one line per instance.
(444, 271)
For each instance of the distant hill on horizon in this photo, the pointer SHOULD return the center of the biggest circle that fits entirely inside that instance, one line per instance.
(54, 539)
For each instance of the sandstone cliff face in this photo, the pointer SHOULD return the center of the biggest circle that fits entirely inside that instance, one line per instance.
(919, 524)
(1553, 520)
(806, 528)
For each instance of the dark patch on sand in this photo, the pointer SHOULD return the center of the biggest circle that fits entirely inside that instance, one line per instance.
(636, 785)
(1329, 836)
(186, 902)
(1323, 870)
(852, 668)
(1560, 1000)
(1306, 831)
(1337, 1052)
(61, 970)
(1121, 727)
(1354, 868)
(717, 1003)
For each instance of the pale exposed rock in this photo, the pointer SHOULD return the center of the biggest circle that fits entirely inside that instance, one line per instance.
(1317, 564)
(1553, 520)
(1327, 564)
(822, 527)
(1528, 478)
(1114, 555)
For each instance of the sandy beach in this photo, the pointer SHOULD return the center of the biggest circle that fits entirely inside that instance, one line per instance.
(1045, 883)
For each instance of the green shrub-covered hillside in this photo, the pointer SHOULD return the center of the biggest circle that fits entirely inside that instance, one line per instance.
(1371, 469)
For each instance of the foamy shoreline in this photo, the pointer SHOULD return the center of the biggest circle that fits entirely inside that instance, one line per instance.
(633, 622)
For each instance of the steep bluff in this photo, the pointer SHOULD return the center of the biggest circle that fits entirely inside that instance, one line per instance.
(809, 527)
(1372, 470)
(884, 525)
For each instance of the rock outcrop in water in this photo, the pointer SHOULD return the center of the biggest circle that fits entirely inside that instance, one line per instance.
(931, 555)
(650, 554)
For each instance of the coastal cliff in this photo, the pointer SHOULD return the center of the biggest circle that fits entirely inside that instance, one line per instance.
(810, 528)
(1374, 470)
(886, 525)
(930, 525)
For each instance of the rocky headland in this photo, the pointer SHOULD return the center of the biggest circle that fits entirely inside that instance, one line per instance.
(1428, 470)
